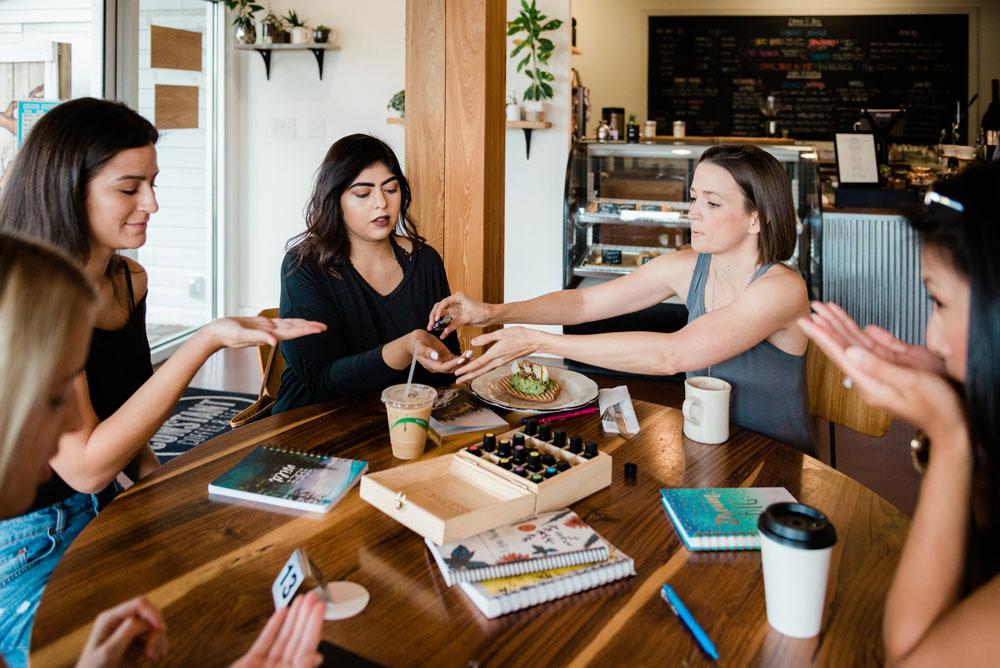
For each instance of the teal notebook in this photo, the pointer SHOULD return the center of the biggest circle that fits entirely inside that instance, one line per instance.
(290, 478)
(713, 518)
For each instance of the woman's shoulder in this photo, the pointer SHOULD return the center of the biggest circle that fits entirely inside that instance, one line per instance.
(136, 275)
(784, 280)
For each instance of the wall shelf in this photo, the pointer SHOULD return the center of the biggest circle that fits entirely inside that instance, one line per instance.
(318, 50)
(576, 51)
(396, 120)
(528, 126)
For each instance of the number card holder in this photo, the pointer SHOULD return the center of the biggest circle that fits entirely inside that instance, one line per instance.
(301, 575)
(298, 574)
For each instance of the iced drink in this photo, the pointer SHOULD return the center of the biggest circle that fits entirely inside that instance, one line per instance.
(409, 413)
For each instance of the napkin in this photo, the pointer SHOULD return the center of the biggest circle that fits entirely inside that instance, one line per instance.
(617, 399)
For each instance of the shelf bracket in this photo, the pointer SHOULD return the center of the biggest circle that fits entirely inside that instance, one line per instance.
(527, 143)
(266, 55)
(319, 60)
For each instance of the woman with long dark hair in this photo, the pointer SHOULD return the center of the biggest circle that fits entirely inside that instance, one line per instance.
(362, 269)
(944, 604)
(742, 302)
(83, 181)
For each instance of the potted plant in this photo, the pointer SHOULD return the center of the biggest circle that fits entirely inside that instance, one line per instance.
(322, 34)
(398, 103)
(513, 108)
(271, 28)
(243, 10)
(300, 32)
(531, 23)
(632, 130)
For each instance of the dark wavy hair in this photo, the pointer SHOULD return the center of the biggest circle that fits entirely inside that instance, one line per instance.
(46, 194)
(325, 240)
(970, 240)
(767, 191)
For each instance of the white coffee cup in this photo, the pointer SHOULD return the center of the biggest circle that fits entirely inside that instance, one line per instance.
(706, 409)
(796, 542)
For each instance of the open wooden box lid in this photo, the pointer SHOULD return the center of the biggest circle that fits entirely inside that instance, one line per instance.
(447, 498)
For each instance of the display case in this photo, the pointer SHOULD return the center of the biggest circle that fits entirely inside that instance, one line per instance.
(628, 203)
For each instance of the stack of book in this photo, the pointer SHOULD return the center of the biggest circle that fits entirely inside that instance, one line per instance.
(529, 562)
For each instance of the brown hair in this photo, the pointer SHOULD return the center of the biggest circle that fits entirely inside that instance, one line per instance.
(767, 192)
(325, 240)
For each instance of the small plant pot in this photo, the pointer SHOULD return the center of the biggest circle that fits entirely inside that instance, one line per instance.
(513, 112)
(534, 110)
(632, 133)
(281, 37)
(321, 36)
(301, 35)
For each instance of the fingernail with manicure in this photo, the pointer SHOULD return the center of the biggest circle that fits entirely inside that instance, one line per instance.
(434, 355)
(461, 360)
(467, 354)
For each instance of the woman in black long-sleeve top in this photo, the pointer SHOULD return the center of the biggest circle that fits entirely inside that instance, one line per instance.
(361, 268)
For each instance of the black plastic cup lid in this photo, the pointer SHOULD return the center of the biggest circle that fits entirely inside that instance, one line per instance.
(797, 525)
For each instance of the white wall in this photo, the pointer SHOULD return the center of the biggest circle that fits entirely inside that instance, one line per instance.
(614, 36)
(533, 236)
(273, 177)
(71, 21)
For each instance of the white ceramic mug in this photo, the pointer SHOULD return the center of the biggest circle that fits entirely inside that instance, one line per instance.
(706, 409)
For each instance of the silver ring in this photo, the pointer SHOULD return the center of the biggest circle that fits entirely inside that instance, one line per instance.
(848, 383)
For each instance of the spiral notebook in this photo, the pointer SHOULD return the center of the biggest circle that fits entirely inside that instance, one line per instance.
(503, 595)
(550, 540)
(290, 478)
(720, 518)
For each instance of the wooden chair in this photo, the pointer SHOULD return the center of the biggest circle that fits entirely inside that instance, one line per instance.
(831, 401)
(272, 365)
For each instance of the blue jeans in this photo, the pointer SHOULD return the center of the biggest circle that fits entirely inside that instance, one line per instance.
(30, 547)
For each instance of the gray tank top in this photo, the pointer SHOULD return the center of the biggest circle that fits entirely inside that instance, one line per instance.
(769, 385)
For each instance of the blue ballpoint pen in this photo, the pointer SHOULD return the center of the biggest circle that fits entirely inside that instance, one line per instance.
(677, 605)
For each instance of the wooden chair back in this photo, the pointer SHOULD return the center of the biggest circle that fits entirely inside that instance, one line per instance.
(272, 365)
(831, 401)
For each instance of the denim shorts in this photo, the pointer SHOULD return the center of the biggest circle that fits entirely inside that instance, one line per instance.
(30, 547)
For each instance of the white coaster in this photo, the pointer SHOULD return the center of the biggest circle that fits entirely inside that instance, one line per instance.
(348, 599)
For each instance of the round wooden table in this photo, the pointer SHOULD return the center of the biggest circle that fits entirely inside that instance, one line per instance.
(209, 565)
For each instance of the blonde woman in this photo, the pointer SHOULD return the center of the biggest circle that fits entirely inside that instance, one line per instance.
(45, 330)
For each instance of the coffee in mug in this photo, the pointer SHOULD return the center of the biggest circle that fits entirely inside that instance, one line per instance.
(706, 409)
(796, 542)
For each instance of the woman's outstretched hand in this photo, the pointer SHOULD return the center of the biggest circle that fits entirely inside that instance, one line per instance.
(463, 310)
(842, 330)
(290, 638)
(911, 392)
(236, 332)
(509, 344)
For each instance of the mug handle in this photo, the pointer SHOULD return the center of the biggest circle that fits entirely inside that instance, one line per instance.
(688, 408)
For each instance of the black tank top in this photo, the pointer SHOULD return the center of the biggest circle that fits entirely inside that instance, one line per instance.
(117, 366)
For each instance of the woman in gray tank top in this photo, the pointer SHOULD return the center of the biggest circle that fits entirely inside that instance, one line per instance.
(743, 302)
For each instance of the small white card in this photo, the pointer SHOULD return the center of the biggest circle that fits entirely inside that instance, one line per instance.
(620, 398)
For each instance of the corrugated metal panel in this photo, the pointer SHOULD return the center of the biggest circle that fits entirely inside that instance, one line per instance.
(871, 267)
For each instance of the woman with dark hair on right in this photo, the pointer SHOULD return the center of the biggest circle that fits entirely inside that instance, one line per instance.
(742, 302)
(362, 269)
(944, 604)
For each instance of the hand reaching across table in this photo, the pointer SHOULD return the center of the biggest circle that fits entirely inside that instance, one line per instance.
(463, 310)
(509, 344)
(290, 638)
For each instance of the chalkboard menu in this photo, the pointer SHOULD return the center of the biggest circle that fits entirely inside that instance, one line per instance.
(716, 72)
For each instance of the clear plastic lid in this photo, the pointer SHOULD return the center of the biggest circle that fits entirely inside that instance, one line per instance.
(418, 396)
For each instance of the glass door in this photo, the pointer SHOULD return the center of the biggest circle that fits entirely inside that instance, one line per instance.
(163, 62)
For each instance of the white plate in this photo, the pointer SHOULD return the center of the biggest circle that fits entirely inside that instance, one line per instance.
(577, 390)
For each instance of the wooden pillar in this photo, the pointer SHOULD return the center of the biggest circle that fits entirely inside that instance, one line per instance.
(471, 143)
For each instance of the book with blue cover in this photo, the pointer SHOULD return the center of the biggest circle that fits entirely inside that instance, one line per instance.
(290, 478)
(713, 518)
